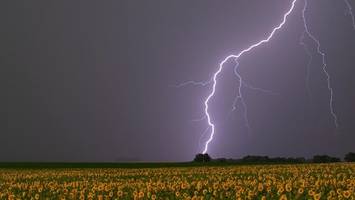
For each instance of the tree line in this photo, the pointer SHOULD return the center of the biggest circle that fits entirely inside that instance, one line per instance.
(349, 157)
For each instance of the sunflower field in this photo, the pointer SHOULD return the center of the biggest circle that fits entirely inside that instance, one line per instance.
(302, 181)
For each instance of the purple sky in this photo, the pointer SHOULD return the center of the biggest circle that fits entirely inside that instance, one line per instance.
(91, 80)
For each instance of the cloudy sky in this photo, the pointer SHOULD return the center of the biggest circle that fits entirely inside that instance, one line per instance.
(89, 80)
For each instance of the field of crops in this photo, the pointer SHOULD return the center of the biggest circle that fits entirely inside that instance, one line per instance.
(309, 181)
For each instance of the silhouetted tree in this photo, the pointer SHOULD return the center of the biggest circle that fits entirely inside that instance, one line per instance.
(223, 160)
(324, 159)
(255, 159)
(206, 158)
(202, 158)
(266, 159)
(350, 157)
(334, 159)
(300, 160)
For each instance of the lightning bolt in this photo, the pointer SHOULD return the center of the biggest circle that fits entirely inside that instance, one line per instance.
(195, 83)
(235, 58)
(309, 54)
(242, 84)
(324, 64)
(350, 12)
(250, 87)
(239, 96)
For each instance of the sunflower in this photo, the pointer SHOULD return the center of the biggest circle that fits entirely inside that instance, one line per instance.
(317, 196)
(283, 197)
(346, 193)
(300, 190)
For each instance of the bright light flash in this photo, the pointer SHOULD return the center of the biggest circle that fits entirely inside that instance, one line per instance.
(236, 57)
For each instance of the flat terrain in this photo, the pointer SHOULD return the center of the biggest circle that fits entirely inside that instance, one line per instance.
(302, 181)
(36, 165)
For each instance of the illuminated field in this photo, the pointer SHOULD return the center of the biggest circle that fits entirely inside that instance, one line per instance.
(308, 181)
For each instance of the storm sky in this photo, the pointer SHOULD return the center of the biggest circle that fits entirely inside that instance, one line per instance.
(89, 80)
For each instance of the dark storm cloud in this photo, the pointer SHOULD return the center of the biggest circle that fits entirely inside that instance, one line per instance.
(89, 80)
